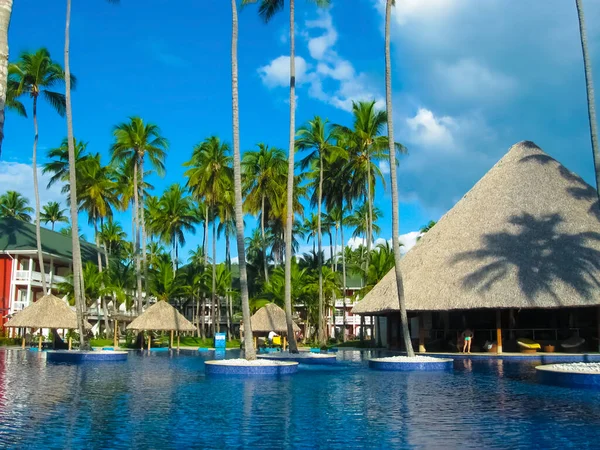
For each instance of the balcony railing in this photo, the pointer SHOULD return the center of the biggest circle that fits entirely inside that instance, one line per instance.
(18, 306)
(23, 277)
(351, 320)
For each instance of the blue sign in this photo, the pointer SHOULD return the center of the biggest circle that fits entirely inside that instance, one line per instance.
(220, 341)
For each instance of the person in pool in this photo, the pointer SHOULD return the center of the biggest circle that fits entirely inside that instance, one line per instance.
(467, 336)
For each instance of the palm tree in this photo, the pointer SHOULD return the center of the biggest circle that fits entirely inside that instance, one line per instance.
(249, 350)
(113, 237)
(173, 218)
(36, 74)
(134, 140)
(59, 162)
(589, 85)
(394, 181)
(12, 104)
(426, 228)
(13, 204)
(209, 177)
(52, 213)
(5, 13)
(310, 228)
(264, 172)
(68, 231)
(317, 136)
(164, 283)
(267, 10)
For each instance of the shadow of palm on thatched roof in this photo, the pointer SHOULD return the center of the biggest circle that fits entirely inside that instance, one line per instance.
(539, 255)
(578, 190)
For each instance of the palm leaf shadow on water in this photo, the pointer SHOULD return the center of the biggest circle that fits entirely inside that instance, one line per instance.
(540, 256)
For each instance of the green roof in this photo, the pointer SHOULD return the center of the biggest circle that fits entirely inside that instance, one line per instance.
(16, 235)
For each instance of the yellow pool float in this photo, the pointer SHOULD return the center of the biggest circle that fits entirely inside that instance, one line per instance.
(528, 344)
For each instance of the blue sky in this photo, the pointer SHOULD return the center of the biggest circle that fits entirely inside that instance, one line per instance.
(470, 80)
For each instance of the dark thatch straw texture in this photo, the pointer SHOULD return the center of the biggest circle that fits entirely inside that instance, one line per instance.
(161, 317)
(527, 235)
(48, 312)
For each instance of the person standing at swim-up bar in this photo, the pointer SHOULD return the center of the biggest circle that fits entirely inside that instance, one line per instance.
(467, 336)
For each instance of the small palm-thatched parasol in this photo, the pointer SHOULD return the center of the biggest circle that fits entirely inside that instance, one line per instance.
(161, 317)
(48, 312)
(270, 318)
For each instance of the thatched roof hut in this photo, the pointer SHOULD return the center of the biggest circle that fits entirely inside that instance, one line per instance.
(48, 312)
(527, 235)
(270, 318)
(161, 317)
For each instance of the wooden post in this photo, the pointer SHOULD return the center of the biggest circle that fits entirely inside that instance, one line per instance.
(40, 341)
(255, 343)
(142, 339)
(499, 331)
(23, 342)
(284, 343)
(178, 341)
(70, 343)
(149, 341)
(116, 335)
(422, 348)
(171, 341)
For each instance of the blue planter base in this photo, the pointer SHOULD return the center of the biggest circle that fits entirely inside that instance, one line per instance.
(300, 358)
(401, 366)
(214, 368)
(546, 375)
(74, 356)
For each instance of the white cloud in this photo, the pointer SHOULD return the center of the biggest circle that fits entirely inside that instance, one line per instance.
(426, 129)
(408, 241)
(330, 78)
(277, 72)
(384, 166)
(18, 177)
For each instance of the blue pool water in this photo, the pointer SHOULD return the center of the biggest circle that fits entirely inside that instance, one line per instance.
(165, 401)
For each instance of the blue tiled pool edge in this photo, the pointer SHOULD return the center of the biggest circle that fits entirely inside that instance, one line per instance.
(567, 379)
(400, 366)
(74, 356)
(249, 371)
(302, 359)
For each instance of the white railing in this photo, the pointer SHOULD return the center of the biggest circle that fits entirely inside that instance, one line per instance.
(351, 320)
(22, 276)
(18, 306)
(340, 303)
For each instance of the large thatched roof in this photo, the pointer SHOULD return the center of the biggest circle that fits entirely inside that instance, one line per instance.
(48, 312)
(527, 235)
(270, 318)
(161, 317)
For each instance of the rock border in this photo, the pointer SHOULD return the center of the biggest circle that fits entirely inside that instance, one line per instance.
(75, 356)
(560, 375)
(302, 358)
(248, 369)
(416, 364)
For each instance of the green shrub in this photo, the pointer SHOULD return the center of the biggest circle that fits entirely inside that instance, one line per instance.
(9, 341)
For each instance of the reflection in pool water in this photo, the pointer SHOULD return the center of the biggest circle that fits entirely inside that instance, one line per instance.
(163, 400)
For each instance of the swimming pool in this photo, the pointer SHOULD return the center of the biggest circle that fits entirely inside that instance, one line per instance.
(165, 401)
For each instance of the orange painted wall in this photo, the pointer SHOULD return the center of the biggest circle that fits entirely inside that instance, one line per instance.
(5, 269)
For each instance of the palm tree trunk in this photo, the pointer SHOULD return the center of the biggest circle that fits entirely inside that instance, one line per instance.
(114, 300)
(5, 13)
(369, 229)
(264, 244)
(136, 212)
(78, 286)
(289, 223)
(589, 84)
(173, 253)
(144, 237)
(228, 298)
(103, 299)
(249, 350)
(206, 217)
(52, 226)
(321, 335)
(37, 197)
(343, 269)
(394, 183)
(213, 293)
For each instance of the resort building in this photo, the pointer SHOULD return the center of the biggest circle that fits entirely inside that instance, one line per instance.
(20, 274)
(517, 257)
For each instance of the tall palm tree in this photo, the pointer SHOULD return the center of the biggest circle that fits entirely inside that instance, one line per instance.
(53, 213)
(249, 350)
(5, 13)
(134, 141)
(12, 103)
(174, 217)
(589, 85)
(226, 215)
(264, 175)
(394, 181)
(113, 236)
(209, 177)
(267, 9)
(37, 74)
(13, 204)
(59, 162)
(317, 136)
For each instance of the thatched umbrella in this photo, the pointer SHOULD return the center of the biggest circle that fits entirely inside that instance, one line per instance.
(162, 317)
(270, 318)
(48, 312)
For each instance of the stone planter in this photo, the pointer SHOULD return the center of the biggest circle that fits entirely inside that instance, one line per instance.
(549, 348)
(416, 364)
(243, 368)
